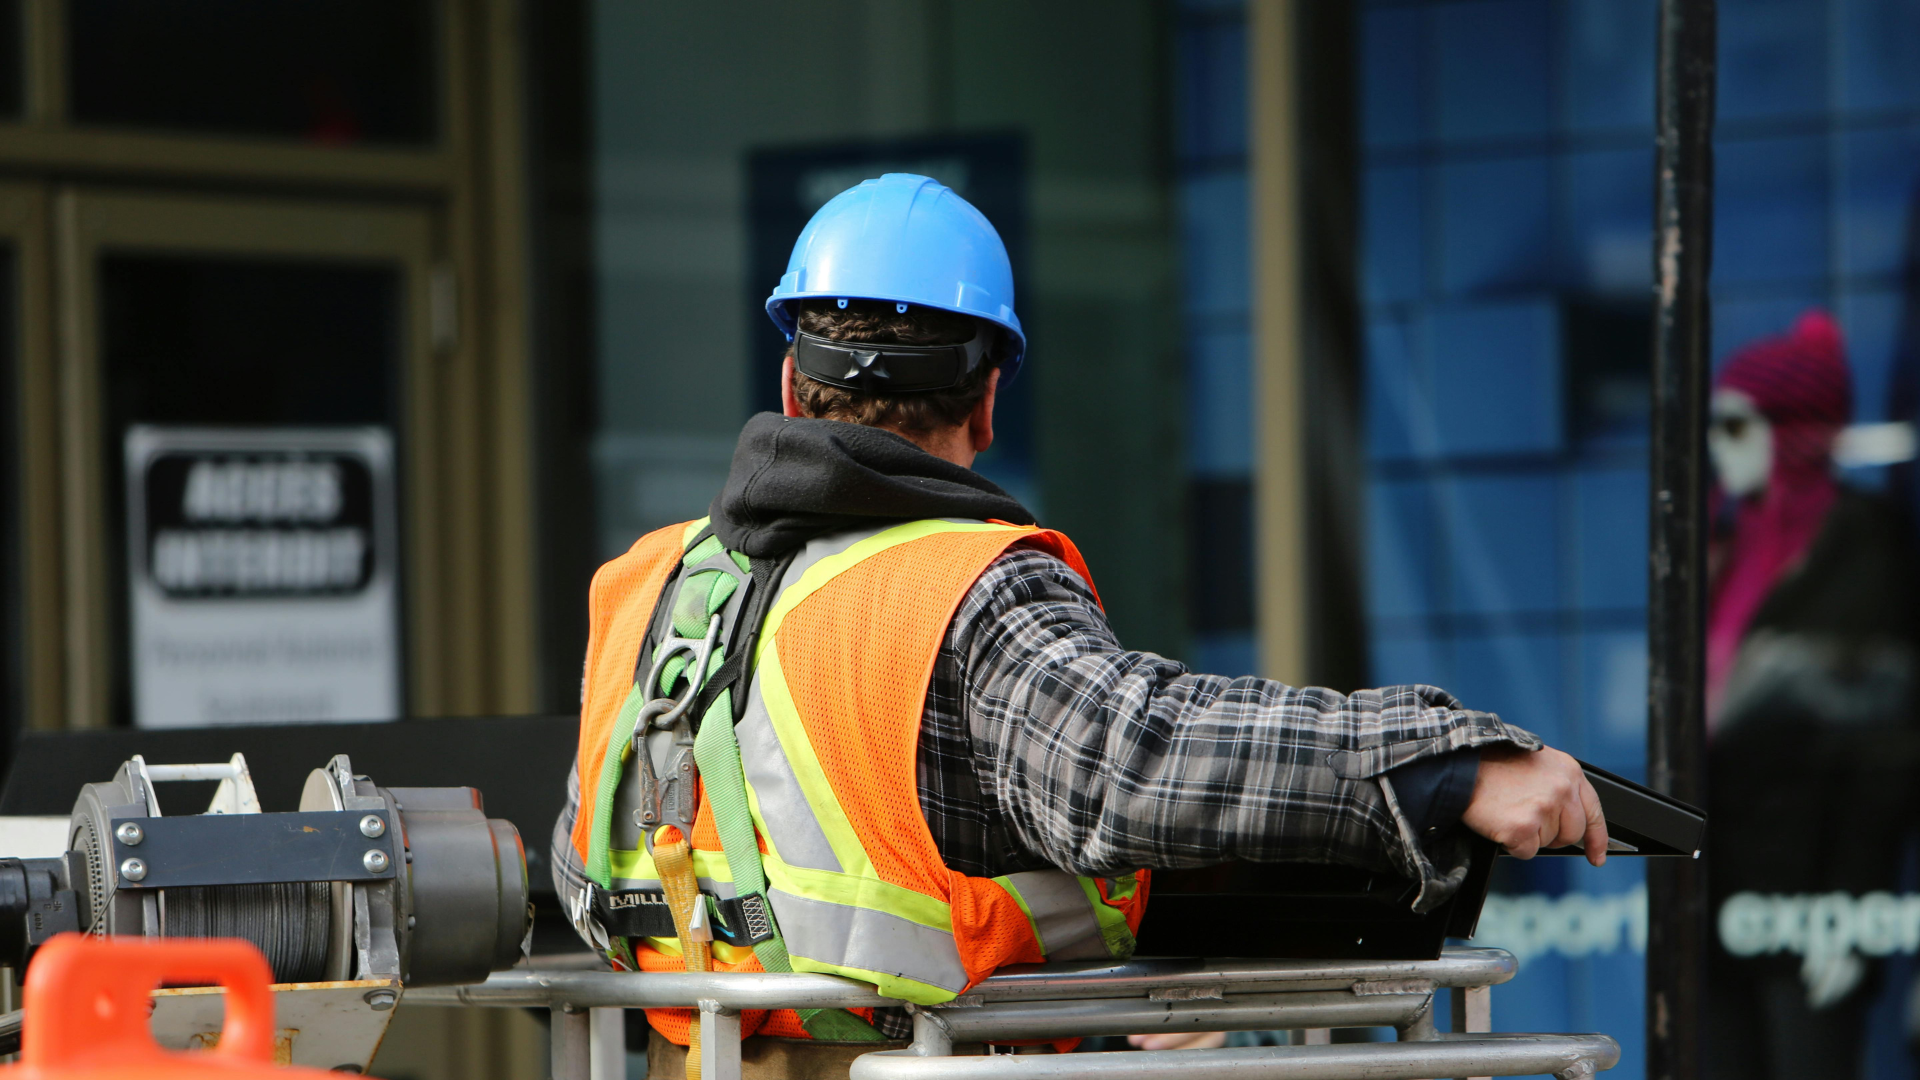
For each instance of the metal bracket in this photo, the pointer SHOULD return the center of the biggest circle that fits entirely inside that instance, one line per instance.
(250, 849)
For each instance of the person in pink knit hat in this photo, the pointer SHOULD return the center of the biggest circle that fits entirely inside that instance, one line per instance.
(1811, 663)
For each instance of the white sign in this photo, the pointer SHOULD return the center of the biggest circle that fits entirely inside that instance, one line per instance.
(262, 565)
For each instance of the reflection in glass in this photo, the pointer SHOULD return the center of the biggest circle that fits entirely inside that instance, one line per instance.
(199, 340)
(333, 72)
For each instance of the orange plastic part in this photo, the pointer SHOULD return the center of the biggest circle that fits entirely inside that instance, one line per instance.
(87, 1002)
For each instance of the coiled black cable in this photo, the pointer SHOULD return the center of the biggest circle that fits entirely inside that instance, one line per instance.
(290, 922)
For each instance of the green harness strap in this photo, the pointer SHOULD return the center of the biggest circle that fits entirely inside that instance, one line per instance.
(599, 869)
(717, 754)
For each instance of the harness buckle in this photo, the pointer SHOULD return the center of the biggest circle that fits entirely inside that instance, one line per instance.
(670, 799)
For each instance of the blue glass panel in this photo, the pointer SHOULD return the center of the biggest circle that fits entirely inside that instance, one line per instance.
(1609, 201)
(1491, 59)
(1613, 700)
(1580, 941)
(1394, 253)
(1213, 219)
(1881, 180)
(1219, 404)
(1608, 982)
(1739, 321)
(1871, 321)
(1231, 654)
(1881, 43)
(1213, 90)
(1496, 377)
(1495, 219)
(1889, 1054)
(1773, 58)
(1407, 659)
(1400, 418)
(1501, 543)
(1610, 538)
(1536, 999)
(1514, 674)
(1391, 88)
(1770, 202)
(1606, 68)
(1401, 582)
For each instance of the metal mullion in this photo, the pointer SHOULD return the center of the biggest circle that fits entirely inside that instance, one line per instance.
(44, 64)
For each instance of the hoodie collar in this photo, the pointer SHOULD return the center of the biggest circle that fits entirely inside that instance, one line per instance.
(795, 479)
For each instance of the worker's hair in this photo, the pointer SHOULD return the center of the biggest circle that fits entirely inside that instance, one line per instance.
(879, 322)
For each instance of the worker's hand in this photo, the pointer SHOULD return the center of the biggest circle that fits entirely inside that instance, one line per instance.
(1525, 800)
(1179, 1040)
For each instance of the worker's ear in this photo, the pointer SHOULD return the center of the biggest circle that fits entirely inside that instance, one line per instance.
(789, 402)
(980, 423)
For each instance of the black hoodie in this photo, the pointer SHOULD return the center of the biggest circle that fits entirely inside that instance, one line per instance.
(795, 479)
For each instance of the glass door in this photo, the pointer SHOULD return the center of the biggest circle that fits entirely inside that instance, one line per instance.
(255, 521)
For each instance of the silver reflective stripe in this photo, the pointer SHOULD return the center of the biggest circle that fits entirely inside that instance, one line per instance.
(822, 546)
(868, 939)
(1062, 915)
(788, 819)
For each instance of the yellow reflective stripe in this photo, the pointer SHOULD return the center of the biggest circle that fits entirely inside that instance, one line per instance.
(723, 952)
(692, 530)
(885, 983)
(888, 985)
(867, 891)
(834, 823)
(639, 865)
(1113, 922)
(774, 693)
(1007, 885)
(839, 563)
(858, 885)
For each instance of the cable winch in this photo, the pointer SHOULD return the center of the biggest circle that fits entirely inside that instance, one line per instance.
(362, 882)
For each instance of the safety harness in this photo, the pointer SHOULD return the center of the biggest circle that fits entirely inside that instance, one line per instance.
(675, 743)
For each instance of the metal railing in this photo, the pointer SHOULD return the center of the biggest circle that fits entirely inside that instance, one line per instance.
(1064, 1000)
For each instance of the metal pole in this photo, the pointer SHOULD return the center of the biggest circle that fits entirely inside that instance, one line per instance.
(571, 1043)
(1568, 1057)
(1676, 595)
(607, 1044)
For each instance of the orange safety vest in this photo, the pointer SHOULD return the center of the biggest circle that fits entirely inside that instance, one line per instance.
(829, 746)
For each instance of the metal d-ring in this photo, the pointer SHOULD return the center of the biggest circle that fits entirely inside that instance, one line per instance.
(696, 674)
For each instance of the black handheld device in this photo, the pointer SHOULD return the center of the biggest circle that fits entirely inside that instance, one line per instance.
(1315, 911)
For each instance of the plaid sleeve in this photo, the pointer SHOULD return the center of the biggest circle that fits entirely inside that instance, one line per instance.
(1103, 760)
(569, 876)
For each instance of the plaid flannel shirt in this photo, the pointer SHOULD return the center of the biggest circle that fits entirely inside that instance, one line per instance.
(1046, 744)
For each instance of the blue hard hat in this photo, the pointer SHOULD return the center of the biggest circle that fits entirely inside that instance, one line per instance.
(909, 239)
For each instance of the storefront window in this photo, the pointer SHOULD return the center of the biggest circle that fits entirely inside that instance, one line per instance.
(1508, 178)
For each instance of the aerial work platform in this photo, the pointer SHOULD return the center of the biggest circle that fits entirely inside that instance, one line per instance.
(1055, 1001)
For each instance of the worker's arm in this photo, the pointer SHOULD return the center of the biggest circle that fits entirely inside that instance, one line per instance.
(1102, 760)
(569, 876)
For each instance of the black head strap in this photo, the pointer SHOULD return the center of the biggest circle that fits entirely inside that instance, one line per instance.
(874, 368)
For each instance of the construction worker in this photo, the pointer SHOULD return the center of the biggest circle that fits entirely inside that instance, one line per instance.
(921, 753)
